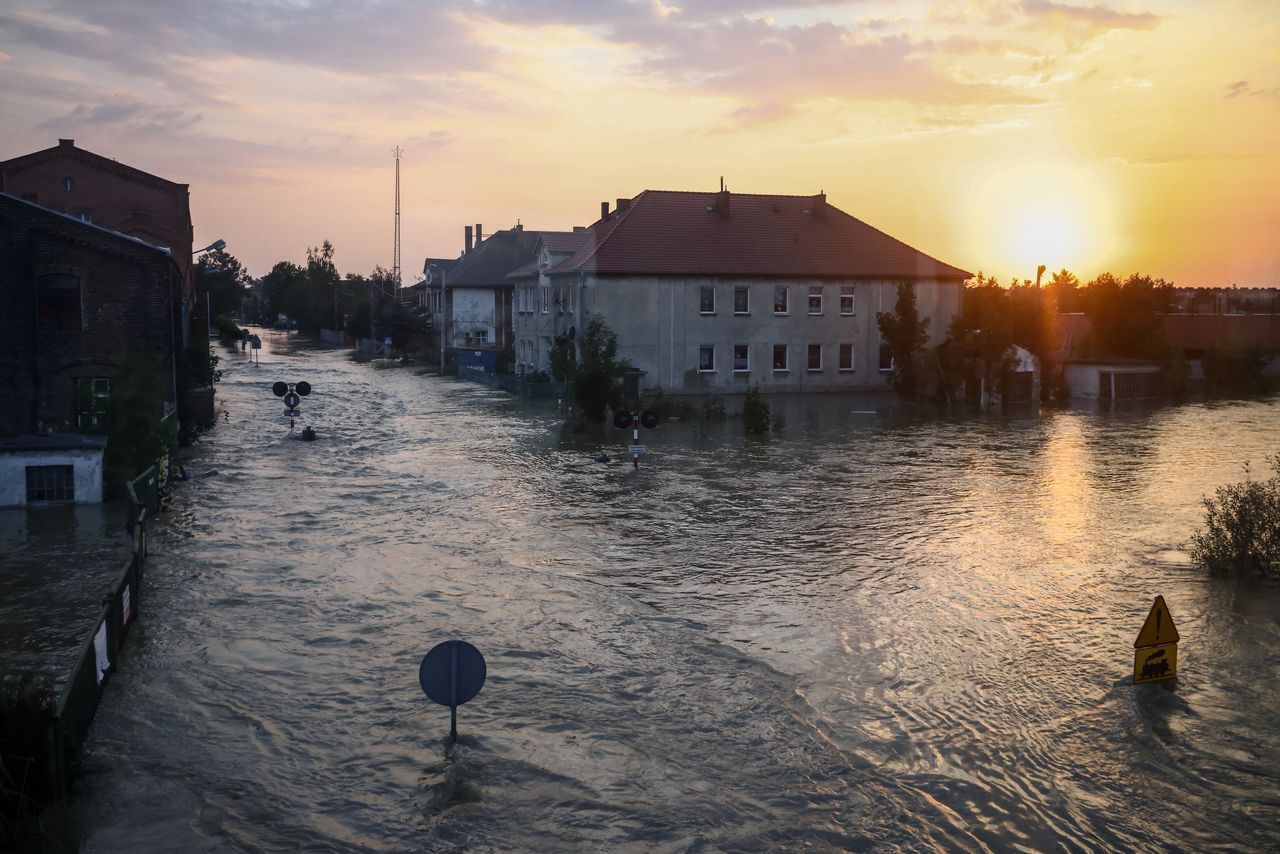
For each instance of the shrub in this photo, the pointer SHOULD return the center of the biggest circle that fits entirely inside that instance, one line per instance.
(1242, 528)
(755, 413)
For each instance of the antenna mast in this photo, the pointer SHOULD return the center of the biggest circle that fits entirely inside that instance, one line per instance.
(395, 259)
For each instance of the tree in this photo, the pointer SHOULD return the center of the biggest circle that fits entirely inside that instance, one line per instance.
(564, 359)
(1125, 317)
(1064, 289)
(755, 413)
(221, 275)
(278, 285)
(905, 334)
(597, 385)
(983, 334)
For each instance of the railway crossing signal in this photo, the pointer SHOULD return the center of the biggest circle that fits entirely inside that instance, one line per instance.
(292, 394)
(622, 419)
(1155, 656)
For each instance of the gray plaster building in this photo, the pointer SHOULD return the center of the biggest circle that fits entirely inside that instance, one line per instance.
(722, 291)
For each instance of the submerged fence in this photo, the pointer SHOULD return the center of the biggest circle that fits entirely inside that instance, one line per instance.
(78, 702)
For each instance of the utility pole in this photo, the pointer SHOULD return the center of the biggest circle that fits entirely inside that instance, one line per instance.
(395, 258)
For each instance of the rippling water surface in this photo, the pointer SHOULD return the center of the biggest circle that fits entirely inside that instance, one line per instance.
(879, 631)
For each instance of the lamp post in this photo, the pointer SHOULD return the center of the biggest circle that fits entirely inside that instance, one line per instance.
(443, 283)
(216, 246)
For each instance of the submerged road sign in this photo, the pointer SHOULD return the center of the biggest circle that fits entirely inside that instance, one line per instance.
(1155, 656)
(452, 673)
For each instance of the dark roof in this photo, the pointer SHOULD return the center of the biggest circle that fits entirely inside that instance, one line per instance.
(490, 262)
(52, 442)
(558, 243)
(93, 226)
(666, 232)
(66, 148)
(445, 264)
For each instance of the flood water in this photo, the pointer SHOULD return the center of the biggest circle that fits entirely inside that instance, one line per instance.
(882, 630)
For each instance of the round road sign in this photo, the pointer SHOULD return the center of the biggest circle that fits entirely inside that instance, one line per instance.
(280, 389)
(452, 673)
(292, 400)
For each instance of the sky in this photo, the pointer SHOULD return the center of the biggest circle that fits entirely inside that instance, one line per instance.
(996, 135)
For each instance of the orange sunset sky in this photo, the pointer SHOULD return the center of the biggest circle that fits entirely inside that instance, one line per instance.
(1128, 135)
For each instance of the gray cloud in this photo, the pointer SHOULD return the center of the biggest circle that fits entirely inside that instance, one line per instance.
(124, 115)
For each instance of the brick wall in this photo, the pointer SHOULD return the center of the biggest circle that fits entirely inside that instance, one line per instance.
(127, 293)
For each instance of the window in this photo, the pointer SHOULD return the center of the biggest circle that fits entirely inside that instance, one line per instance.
(741, 300)
(707, 300)
(846, 300)
(815, 299)
(846, 357)
(569, 293)
(546, 300)
(815, 357)
(779, 357)
(741, 357)
(780, 299)
(92, 396)
(559, 300)
(68, 183)
(707, 358)
(58, 297)
(50, 483)
(886, 357)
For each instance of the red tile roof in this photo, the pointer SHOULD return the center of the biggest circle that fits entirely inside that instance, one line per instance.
(666, 232)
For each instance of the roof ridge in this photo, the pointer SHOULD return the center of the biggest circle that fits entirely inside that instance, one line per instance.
(619, 218)
(164, 249)
(735, 193)
(124, 169)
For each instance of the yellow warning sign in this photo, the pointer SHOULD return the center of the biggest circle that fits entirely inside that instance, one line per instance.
(1158, 629)
(1153, 663)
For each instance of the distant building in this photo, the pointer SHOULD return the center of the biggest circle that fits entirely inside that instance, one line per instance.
(77, 300)
(1111, 378)
(542, 312)
(723, 291)
(102, 191)
(475, 313)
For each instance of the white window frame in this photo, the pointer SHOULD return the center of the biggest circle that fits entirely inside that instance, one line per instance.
(808, 359)
(853, 359)
(815, 291)
(703, 290)
(747, 349)
(785, 292)
(701, 349)
(786, 359)
(546, 299)
(846, 291)
(745, 291)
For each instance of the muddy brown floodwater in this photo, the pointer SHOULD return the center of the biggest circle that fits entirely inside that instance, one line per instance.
(886, 630)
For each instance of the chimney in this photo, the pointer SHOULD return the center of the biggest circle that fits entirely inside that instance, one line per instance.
(604, 210)
(467, 241)
(578, 228)
(479, 234)
(67, 143)
(722, 203)
(623, 204)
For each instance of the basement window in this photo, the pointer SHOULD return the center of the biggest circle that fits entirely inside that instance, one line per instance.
(50, 483)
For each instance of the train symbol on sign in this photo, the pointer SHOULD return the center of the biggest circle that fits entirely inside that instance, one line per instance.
(1155, 666)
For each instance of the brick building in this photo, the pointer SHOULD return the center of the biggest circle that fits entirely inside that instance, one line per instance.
(76, 299)
(102, 191)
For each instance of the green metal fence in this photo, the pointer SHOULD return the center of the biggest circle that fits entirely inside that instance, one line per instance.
(79, 700)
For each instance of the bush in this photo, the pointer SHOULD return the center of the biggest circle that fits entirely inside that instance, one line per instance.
(26, 707)
(228, 329)
(670, 407)
(755, 413)
(1242, 528)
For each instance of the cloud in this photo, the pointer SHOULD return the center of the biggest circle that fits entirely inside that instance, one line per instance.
(124, 114)
(1096, 18)
(1242, 87)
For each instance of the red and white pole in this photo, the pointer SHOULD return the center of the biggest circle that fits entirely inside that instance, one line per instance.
(635, 439)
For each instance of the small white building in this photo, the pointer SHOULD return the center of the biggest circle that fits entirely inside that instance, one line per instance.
(53, 468)
(1111, 378)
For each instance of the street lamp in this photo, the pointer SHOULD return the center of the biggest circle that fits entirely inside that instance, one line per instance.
(216, 246)
(443, 284)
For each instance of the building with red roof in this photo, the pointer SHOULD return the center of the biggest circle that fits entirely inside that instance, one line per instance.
(720, 291)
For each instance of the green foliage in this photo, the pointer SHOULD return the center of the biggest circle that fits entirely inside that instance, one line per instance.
(597, 386)
(713, 408)
(135, 433)
(1236, 371)
(755, 413)
(1063, 289)
(564, 359)
(982, 335)
(670, 407)
(228, 329)
(905, 334)
(1126, 316)
(221, 275)
(1242, 528)
(26, 707)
